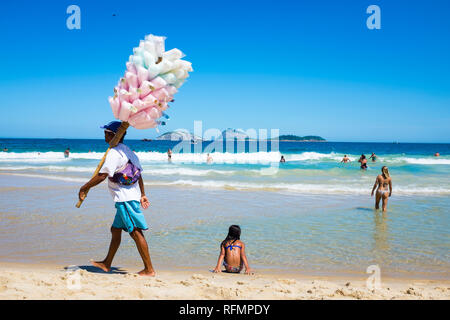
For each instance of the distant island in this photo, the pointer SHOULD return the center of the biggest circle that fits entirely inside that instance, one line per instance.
(291, 137)
(231, 134)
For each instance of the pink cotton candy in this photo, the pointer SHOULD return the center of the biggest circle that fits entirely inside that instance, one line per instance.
(146, 125)
(115, 106)
(131, 67)
(154, 113)
(163, 106)
(142, 74)
(171, 90)
(134, 94)
(158, 83)
(145, 89)
(150, 100)
(138, 118)
(124, 95)
(139, 104)
(125, 110)
(160, 94)
(132, 79)
(123, 84)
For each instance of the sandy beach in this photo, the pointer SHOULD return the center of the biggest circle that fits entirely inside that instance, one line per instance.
(25, 281)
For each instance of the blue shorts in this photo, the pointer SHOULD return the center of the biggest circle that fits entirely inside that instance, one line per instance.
(129, 216)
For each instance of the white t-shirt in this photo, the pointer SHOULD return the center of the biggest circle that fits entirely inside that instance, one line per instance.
(115, 160)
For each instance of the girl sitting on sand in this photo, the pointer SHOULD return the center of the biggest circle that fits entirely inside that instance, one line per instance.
(232, 253)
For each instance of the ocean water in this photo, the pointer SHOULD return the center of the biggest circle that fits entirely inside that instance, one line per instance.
(311, 214)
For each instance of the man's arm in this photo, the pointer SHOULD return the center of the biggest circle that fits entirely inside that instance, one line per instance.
(144, 200)
(99, 178)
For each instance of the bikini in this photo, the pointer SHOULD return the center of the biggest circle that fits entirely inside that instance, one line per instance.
(228, 267)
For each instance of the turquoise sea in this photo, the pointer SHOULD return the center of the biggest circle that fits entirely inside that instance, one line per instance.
(311, 214)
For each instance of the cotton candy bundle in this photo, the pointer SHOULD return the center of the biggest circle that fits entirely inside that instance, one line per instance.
(152, 78)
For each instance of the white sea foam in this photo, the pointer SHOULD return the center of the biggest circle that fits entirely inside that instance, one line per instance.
(218, 157)
(306, 188)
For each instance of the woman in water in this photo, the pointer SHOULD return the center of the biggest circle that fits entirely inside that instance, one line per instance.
(383, 181)
(232, 253)
(373, 157)
(363, 162)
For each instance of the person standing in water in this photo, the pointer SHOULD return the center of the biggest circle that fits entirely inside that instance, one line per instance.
(345, 159)
(122, 166)
(363, 162)
(373, 157)
(209, 159)
(66, 152)
(169, 154)
(282, 159)
(384, 191)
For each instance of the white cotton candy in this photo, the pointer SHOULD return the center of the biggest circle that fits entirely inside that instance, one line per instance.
(158, 42)
(149, 59)
(149, 47)
(138, 52)
(180, 73)
(173, 54)
(166, 66)
(154, 70)
(169, 77)
(178, 83)
(137, 60)
(186, 65)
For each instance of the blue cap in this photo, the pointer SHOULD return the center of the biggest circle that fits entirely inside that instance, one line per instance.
(112, 126)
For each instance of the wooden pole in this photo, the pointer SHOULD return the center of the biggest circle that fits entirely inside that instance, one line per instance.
(114, 142)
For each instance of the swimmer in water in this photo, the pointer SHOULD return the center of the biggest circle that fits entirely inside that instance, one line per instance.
(345, 159)
(282, 159)
(384, 191)
(373, 157)
(437, 154)
(209, 159)
(169, 154)
(363, 162)
(66, 153)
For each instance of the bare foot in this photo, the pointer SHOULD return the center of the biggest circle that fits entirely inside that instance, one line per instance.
(147, 273)
(101, 265)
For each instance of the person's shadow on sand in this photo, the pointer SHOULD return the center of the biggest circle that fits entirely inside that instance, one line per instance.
(93, 269)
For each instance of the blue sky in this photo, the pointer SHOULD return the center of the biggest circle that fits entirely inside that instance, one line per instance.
(304, 67)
